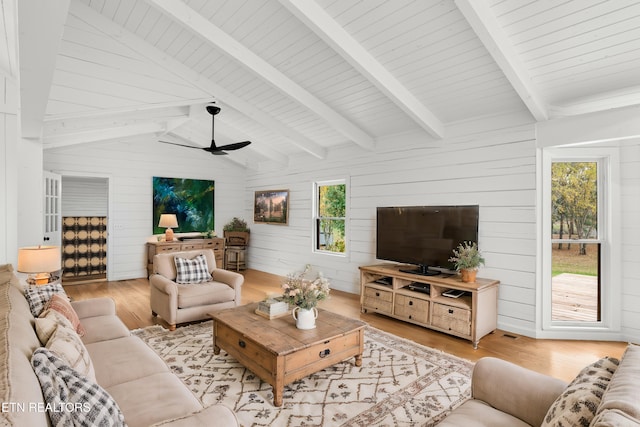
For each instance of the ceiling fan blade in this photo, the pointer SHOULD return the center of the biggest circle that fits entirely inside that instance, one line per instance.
(213, 148)
(234, 146)
(182, 145)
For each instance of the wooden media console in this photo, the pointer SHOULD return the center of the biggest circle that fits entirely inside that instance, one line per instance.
(421, 300)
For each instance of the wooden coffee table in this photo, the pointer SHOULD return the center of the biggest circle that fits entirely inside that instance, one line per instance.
(278, 352)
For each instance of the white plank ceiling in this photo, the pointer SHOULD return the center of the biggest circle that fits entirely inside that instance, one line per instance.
(300, 77)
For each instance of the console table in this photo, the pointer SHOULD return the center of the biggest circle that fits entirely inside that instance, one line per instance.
(216, 243)
(420, 300)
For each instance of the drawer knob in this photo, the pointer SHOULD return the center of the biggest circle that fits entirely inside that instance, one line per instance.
(242, 344)
(325, 353)
(410, 302)
(377, 294)
(450, 311)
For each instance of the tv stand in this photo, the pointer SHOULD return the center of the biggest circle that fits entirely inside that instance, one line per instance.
(471, 315)
(422, 270)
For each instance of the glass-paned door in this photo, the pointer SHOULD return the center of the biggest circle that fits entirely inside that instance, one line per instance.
(52, 209)
(576, 242)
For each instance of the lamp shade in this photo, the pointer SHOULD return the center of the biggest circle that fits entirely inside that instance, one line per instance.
(39, 259)
(168, 221)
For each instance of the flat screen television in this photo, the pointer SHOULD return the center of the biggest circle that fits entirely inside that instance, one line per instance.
(424, 235)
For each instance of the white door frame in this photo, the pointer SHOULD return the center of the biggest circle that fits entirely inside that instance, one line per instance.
(109, 210)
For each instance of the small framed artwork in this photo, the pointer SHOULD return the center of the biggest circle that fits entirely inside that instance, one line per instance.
(271, 207)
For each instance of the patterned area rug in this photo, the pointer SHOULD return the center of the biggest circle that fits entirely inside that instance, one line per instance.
(400, 383)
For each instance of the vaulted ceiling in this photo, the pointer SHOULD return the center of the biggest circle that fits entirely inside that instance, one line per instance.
(299, 77)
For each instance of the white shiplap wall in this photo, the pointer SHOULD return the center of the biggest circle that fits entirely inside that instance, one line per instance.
(85, 196)
(630, 194)
(494, 168)
(9, 165)
(130, 166)
(486, 162)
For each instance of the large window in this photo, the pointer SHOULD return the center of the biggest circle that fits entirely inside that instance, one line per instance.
(330, 216)
(580, 276)
(576, 242)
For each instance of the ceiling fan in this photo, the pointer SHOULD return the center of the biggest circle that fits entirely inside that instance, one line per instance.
(213, 148)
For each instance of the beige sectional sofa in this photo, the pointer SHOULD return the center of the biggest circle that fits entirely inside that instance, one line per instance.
(139, 381)
(604, 394)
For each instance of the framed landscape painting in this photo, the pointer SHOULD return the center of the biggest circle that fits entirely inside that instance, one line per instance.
(271, 207)
(192, 200)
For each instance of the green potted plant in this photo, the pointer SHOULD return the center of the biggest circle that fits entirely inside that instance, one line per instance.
(209, 234)
(467, 259)
(236, 232)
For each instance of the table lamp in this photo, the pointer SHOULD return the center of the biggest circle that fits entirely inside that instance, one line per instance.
(168, 221)
(39, 262)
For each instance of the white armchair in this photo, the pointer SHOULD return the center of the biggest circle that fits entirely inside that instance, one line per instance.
(179, 303)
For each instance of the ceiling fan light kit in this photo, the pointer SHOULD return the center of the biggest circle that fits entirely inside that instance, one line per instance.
(213, 109)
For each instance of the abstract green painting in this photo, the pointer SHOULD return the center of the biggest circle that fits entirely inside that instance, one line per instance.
(192, 200)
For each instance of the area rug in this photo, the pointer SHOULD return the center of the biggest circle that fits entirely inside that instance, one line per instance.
(400, 383)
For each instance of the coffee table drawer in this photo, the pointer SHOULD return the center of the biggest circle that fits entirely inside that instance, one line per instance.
(329, 352)
(251, 354)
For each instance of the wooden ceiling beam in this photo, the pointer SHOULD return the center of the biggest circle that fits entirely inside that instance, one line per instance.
(127, 109)
(95, 135)
(153, 54)
(202, 27)
(479, 15)
(325, 27)
(627, 97)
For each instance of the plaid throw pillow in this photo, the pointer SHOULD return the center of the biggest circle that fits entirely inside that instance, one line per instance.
(193, 270)
(38, 296)
(74, 399)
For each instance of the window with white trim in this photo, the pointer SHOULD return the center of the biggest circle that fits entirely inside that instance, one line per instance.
(579, 275)
(330, 222)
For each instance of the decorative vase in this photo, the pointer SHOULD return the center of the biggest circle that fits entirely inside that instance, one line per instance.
(305, 318)
(468, 275)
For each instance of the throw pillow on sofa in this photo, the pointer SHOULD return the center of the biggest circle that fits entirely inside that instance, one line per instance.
(66, 344)
(38, 296)
(61, 304)
(74, 399)
(577, 405)
(193, 270)
(47, 324)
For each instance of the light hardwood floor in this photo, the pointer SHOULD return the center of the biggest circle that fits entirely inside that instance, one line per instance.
(559, 358)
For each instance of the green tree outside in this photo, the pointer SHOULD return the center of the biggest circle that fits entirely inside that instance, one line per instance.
(574, 198)
(332, 211)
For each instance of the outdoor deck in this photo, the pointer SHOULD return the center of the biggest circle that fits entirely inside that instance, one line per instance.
(574, 297)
